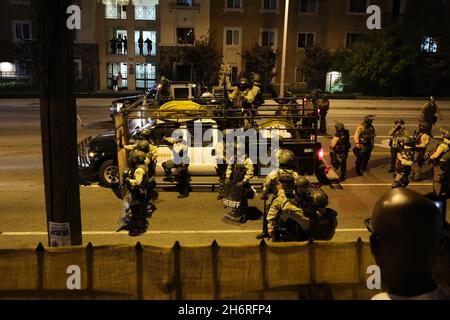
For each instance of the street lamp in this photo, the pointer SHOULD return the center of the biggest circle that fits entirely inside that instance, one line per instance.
(283, 57)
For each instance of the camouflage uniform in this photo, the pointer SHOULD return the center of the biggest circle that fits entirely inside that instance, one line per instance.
(364, 138)
(239, 174)
(395, 133)
(339, 147)
(284, 208)
(404, 163)
(422, 139)
(440, 160)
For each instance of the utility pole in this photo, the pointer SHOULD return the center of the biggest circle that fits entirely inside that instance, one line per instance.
(283, 58)
(58, 124)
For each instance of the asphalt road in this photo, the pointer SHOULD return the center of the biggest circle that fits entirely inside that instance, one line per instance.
(197, 219)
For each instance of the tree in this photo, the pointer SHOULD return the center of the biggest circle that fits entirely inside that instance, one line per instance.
(203, 57)
(317, 64)
(261, 60)
(379, 65)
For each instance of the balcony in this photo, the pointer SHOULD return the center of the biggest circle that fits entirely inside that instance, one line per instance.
(116, 48)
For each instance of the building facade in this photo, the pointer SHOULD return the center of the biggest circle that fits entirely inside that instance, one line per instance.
(329, 24)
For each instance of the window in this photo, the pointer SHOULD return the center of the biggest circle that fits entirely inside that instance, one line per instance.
(352, 39)
(114, 11)
(299, 74)
(232, 37)
(233, 4)
(357, 6)
(308, 6)
(113, 69)
(21, 30)
(429, 45)
(145, 75)
(145, 43)
(268, 38)
(270, 4)
(305, 40)
(78, 74)
(185, 36)
(142, 12)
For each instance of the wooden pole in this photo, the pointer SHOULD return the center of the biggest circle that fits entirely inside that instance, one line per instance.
(58, 124)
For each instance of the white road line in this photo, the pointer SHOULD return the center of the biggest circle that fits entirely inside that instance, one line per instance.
(381, 184)
(176, 232)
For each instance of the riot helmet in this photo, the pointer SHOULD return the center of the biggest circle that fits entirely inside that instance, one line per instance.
(243, 84)
(400, 121)
(407, 142)
(285, 157)
(339, 127)
(319, 199)
(432, 99)
(145, 134)
(302, 185)
(369, 119)
(143, 145)
(137, 158)
(255, 77)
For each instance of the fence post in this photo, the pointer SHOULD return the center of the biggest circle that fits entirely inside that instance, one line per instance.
(177, 270)
(90, 270)
(263, 258)
(139, 271)
(312, 261)
(215, 269)
(40, 253)
(361, 273)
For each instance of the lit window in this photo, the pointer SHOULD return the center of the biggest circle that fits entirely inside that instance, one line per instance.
(113, 11)
(145, 43)
(305, 40)
(429, 45)
(184, 3)
(144, 13)
(185, 36)
(145, 75)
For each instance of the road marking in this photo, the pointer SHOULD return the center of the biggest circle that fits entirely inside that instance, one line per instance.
(185, 232)
(382, 184)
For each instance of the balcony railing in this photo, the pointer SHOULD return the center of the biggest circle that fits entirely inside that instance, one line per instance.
(144, 50)
(11, 75)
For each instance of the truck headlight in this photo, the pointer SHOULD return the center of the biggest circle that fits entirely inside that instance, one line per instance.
(92, 154)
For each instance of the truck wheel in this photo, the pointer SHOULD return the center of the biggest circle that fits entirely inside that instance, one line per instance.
(109, 174)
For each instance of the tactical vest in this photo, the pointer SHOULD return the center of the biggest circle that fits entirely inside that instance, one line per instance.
(396, 136)
(343, 144)
(366, 136)
(444, 158)
(418, 138)
(430, 111)
(286, 178)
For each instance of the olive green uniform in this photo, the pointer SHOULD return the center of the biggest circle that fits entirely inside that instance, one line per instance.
(422, 141)
(440, 160)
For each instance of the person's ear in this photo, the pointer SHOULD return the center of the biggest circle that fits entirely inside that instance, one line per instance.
(374, 244)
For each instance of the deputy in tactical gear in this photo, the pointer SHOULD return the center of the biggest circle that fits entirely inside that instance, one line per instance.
(221, 165)
(284, 175)
(258, 99)
(323, 219)
(323, 105)
(397, 132)
(339, 148)
(285, 219)
(429, 111)
(242, 99)
(165, 92)
(405, 161)
(180, 164)
(239, 172)
(365, 139)
(310, 113)
(440, 159)
(135, 216)
(422, 140)
(406, 231)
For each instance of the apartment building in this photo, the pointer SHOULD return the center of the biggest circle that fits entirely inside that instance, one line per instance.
(128, 35)
(330, 24)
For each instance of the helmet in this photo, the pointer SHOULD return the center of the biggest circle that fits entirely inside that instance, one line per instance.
(445, 132)
(407, 142)
(143, 145)
(302, 184)
(137, 158)
(424, 126)
(400, 121)
(285, 157)
(432, 99)
(243, 84)
(319, 199)
(368, 119)
(324, 97)
(255, 77)
(339, 127)
(145, 134)
(287, 181)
